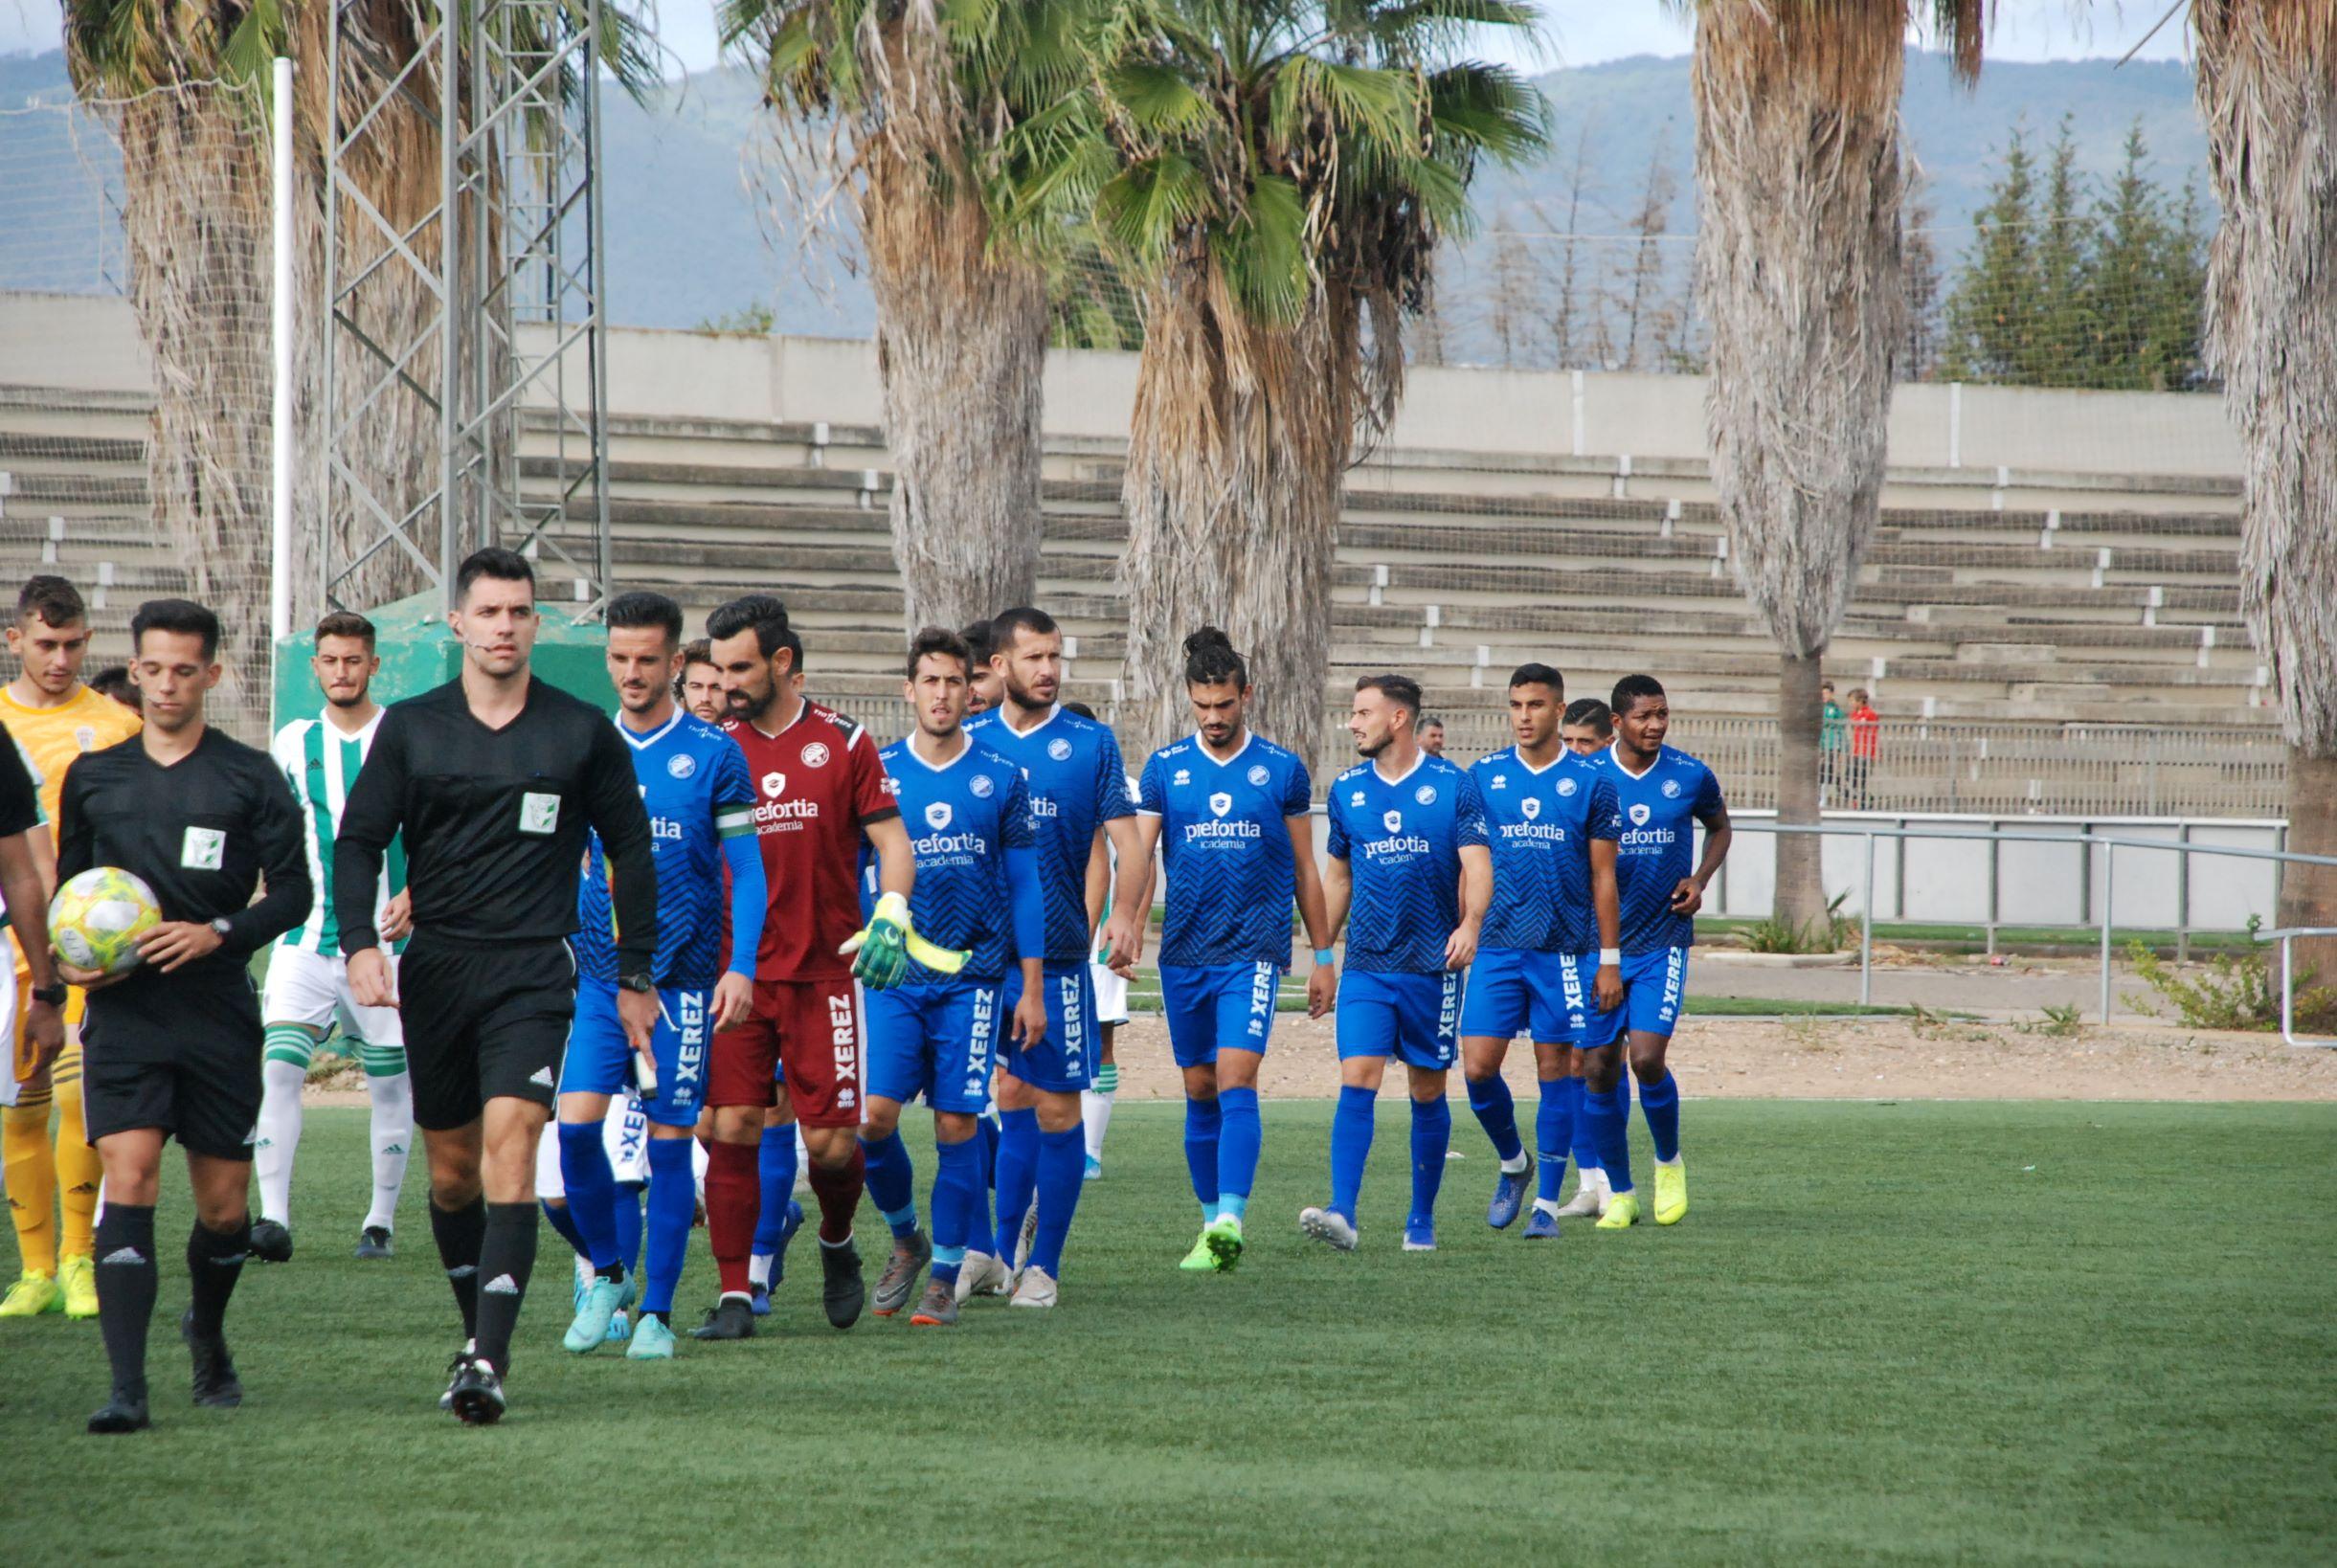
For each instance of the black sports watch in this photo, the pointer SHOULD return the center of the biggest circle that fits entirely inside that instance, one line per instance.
(640, 982)
(54, 993)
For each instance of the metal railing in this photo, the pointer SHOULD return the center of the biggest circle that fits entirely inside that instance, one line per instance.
(2286, 936)
(2109, 843)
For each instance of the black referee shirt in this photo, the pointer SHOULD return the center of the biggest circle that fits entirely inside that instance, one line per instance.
(19, 800)
(200, 832)
(495, 823)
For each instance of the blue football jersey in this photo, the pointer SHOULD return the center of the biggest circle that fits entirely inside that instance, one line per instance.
(1226, 846)
(695, 784)
(1657, 844)
(963, 817)
(1401, 841)
(1541, 822)
(1071, 767)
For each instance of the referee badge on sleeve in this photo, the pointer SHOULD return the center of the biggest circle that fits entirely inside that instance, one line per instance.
(539, 812)
(202, 849)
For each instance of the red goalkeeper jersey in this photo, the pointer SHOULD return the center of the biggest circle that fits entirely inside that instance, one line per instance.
(816, 782)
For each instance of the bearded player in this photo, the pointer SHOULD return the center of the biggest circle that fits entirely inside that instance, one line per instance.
(820, 788)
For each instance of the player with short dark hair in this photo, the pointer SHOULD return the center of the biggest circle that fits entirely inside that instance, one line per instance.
(114, 683)
(968, 810)
(1547, 963)
(1663, 793)
(52, 1180)
(308, 987)
(698, 688)
(172, 1047)
(1408, 853)
(1432, 735)
(1230, 812)
(495, 779)
(1110, 992)
(982, 684)
(1079, 797)
(693, 782)
(1587, 726)
(819, 789)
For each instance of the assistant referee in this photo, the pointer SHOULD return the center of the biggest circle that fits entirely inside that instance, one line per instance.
(172, 1047)
(494, 778)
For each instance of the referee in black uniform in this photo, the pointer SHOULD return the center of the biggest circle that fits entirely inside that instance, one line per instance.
(494, 778)
(171, 1048)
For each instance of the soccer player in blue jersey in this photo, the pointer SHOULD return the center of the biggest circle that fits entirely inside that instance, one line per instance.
(1410, 876)
(1587, 728)
(1663, 794)
(1229, 810)
(700, 803)
(968, 811)
(1077, 792)
(1546, 960)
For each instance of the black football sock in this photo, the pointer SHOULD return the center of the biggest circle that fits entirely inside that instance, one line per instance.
(215, 1263)
(506, 1260)
(459, 1233)
(126, 1284)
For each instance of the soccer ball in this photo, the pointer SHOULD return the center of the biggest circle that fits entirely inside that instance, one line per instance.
(96, 918)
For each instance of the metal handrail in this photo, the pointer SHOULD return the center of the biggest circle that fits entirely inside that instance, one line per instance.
(2110, 842)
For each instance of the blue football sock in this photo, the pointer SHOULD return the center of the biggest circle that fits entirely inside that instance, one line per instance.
(673, 1204)
(628, 1214)
(987, 1130)
(775, 1169)
(1610, 1125)
(565, 1222)
(591, 1193)
(1586, 1137)
(1659, 1103)
(892, 1182)
(1431, 1141)
(1497, 1114)
(957, 1204)
(1204, 1123)
(1553, 1131)
(1351, 1128)
(1018, 1175)
(1239, 1140)
(1062, 1168)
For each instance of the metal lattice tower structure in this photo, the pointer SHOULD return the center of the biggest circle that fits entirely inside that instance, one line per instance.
(511, 332)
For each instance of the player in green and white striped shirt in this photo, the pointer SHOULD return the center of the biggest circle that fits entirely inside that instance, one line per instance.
(308, 987)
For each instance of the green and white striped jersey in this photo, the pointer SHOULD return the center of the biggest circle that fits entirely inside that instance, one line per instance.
(320, 763)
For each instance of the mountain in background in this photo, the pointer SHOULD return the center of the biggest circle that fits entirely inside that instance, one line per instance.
(694, 233)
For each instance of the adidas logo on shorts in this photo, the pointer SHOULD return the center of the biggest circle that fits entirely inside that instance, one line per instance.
(502, 1285)
(541, 1075)
(124, 1255)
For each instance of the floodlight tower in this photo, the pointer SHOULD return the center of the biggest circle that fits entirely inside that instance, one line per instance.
(505, 320)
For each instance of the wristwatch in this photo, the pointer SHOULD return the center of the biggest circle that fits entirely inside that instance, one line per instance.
(640, 982)
(53, 994)
(222, 927)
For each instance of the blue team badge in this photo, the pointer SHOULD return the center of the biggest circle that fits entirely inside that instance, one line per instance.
(1258, 774)
(1640, 813)
(937, 816)
(1671, 789)
(680, 765)
(1565, 786)
(1219, 804)
(980, 786)
(1059, 748)
(1394, 820)
(1531, 807)
(1426, 795)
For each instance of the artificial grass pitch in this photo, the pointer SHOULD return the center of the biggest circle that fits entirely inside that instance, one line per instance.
(1903, 1331)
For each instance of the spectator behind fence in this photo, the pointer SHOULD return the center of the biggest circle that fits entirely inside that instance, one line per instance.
(1832, 739)
(1865, 745)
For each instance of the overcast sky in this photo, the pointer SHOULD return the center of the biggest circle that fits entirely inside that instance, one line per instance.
(1577, 32)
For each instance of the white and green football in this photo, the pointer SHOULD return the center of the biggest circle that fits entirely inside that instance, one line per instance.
(95, 919)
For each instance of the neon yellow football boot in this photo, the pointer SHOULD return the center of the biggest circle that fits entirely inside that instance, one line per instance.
(78, 1275)
(1201, 1260)
(35, 1292)
(1671, 1193)
(1622, 1212)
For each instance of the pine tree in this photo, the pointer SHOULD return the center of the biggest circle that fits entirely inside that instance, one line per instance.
(1990, 310)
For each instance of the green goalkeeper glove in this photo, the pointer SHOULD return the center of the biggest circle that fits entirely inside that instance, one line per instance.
(881, 952)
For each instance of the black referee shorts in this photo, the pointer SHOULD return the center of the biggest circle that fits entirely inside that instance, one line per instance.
(182, 1055)
(483, 1021)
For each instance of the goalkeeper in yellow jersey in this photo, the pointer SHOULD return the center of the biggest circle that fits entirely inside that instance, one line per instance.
(47, 1161)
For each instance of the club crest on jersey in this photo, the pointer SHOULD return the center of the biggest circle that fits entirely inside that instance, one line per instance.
(1220, 803)
(680, 765)
(1059, 748)
(938, 814)
(1640, 813)
(1258, 776)
(1565, 786)
(1531, 807)
(1671, 789)
(815, 755)
(980, 786)
(87, 738)
(1426, 795)
(1392, 819)
(774, 783)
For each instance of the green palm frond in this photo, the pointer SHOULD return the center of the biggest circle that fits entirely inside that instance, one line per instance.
(1263, 252)
(1142, 211)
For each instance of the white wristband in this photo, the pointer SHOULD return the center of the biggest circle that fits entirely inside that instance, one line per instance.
(1610, 957)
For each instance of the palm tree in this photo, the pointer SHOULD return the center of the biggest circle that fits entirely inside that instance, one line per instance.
(2267, 89)
(1799, 185)
(1287, 171)
(964, 137)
